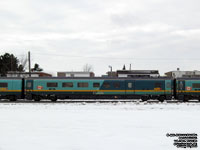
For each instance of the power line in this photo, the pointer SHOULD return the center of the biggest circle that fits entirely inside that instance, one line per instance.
(100, 57)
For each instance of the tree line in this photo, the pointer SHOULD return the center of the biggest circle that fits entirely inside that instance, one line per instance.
(9, 62)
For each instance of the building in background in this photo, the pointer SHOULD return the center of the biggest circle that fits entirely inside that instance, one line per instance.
(75, 74)
(138, 73)
(134, 73)
(178, 74)
(26, 74)
(111, 74)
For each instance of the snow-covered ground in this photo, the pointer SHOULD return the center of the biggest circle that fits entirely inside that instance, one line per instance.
(95, 126)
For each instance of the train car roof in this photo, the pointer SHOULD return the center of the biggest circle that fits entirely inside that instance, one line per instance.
(99, 78)
(9, 78)
(188, 78)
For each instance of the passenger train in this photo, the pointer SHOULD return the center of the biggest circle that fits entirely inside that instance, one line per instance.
(53, 88)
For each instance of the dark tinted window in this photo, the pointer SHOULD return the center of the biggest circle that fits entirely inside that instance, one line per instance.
(196, 85)
(52, 84)
(106, 85)
(158, 85)
(3, 84)
(96, 84)
(67, 84)
(82, 84)
(117, 85)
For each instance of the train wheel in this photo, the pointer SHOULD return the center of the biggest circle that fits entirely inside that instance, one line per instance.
(37, 98)
(186, 98)
(180, 98)
(144, 98)
(29, 97)
(161, 98)
(53, 98)
(12, 98)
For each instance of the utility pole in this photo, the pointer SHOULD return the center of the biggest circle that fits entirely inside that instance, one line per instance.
(110, 70)
(11, 64)
(29, 63)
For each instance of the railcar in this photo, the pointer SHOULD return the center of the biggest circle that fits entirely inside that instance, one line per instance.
(151, 88)
(187, 89)
(11, 88)
(133, 88)
(64, 88)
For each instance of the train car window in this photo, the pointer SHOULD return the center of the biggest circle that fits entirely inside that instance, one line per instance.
(196, 85)
(52, 84)
(96, 84)
(181, 85)
(117, 85)
(106, 85)
(158, 85)
(3, 84)
(67, 84)
(130, 85)
(29, 84)
(82, 84)
(168, 84)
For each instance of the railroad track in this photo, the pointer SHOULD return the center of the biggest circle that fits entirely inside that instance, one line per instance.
(97, 101)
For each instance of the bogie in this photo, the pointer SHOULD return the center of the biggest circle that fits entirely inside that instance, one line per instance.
(37, 98)
(162, 98)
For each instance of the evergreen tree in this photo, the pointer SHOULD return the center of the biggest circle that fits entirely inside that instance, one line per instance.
(8, 62)
(37, 68)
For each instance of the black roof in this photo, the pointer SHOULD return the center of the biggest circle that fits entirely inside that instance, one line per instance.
(101, 78)
(9, 78)
(188, 78)
(138, 71)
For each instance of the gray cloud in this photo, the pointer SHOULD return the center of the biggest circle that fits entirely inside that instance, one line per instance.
(64, 34)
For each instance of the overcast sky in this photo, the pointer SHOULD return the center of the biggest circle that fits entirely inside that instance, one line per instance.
(63, 35)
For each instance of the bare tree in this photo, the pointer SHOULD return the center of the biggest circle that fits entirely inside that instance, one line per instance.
(23, 60)
(87, 68)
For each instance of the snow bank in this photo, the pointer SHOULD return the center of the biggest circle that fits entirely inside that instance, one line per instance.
(95, 126)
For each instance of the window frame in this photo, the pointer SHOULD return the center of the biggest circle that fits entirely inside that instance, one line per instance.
(29, 84)
(96, 84)
(55, 84)
(67, 84)
(106, 85)
(130, 85)
(196, 85)
(3, 84)
(116, 85)
(82, 84)
(168, 85)
(158, 85)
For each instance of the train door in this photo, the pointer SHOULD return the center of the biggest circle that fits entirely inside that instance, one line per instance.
(169, 89)
(29, 89)
(130, 88)
(181, 86)
(180, 89)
